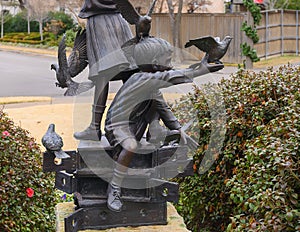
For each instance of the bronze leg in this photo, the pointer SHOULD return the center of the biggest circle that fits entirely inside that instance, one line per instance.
(93, 132)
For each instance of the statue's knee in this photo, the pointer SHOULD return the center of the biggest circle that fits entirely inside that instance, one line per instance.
(129, 144)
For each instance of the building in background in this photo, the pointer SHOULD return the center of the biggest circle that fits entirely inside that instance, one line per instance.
(189, 6)
(9, 6)
(13, 6)
(238, 5)
(205, 6)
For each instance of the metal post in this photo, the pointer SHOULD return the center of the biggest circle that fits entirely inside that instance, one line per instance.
(281, 32)
(249, 62)
(297, 33)
(28, 22)
(267, 34)
(2, 20)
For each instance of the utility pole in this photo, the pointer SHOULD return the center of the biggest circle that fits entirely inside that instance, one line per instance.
(25, 5)
(28, 22)
(2, 20)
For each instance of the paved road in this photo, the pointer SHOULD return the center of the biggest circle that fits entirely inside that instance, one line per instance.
(30, 75)
(26, 75)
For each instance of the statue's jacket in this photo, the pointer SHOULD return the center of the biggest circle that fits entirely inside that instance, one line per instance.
(138, 100)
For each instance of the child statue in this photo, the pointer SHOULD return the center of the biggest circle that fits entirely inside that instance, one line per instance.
(139, 100)
(106, 31)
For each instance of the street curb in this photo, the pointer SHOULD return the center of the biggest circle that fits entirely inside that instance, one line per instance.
(28, 50)
(16, 100)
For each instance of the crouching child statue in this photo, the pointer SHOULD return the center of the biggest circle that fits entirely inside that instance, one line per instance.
(139, 104)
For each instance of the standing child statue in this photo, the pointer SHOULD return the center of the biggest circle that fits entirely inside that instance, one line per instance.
(106, 31)
(132, 108)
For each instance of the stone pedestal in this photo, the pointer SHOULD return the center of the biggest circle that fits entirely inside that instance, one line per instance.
(175, 222)
(88, 170)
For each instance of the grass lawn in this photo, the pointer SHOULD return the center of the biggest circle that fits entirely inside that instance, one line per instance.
(275, 61)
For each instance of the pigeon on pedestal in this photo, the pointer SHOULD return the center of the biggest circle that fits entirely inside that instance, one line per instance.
(53, 143)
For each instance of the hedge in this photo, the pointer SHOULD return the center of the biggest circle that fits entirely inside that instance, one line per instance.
(253, 183)
(32, 38)
(27, 195)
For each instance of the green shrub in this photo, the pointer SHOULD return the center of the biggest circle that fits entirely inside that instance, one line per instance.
(59, 22)
(291, 4)
(18, 23)
(27, 196)
(33, 38)
(253, 184)
(32, 42)
(51, 40)
(70, 37)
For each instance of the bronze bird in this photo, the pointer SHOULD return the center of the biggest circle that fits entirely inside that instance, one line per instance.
(78, 59)
(53, 143)
(142, 23)
(214, 48)
(76, 63)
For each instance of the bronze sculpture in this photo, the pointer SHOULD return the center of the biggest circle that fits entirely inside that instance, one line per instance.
(127, 118)
(54, 143)
(144, 64)
(214, 48)
(71, 67)
(106, 31)
(142, 23)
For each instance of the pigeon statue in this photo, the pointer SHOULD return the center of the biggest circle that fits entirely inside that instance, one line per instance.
(78, 59)
(142, 23)
(76, 63)
(214, 48)
(53, 143)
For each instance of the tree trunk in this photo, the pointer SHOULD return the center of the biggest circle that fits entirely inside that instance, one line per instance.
(28, 23)
(161, 6)
(178, 24)
(172, 18)
(41, 29)
(175, 21)
(2, 23)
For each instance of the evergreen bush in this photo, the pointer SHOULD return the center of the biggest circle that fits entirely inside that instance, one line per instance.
(27, 195)
(70, 37)
(18, 23)
(64, 22)
(253, 184)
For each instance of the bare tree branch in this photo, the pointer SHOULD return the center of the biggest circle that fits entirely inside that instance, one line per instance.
(22, 4)
(39, 10)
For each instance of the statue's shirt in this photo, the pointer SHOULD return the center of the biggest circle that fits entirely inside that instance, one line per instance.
(133, 99)
(95, 7)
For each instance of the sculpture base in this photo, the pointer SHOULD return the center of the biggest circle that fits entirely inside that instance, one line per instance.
(174, 221)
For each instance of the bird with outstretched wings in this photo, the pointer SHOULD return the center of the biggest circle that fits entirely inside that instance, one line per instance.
(78, 59)
(142, 23)
(214, 48)
(71, 67)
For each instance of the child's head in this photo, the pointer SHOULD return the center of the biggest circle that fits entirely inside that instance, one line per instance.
(152, 54)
